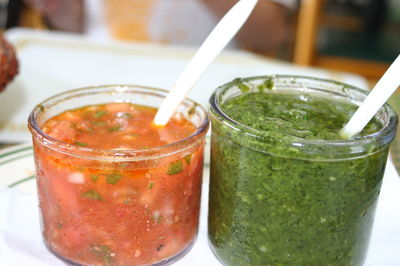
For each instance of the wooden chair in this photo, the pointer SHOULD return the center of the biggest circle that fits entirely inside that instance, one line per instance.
(310, 17)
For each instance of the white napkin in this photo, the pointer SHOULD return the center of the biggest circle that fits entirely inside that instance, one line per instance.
(384, 248)
(20, 236)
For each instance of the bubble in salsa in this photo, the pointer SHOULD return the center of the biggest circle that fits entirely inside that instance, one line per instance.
(133, 211)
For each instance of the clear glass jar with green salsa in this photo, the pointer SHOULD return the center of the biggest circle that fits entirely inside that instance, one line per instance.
(285, 189)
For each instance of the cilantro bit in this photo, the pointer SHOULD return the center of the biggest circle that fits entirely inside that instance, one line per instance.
(188, 158)
(92, 194)
(192, 110)
(126, 115)
(105, 252)
(98, 123)
(151, 184)
(175, 168)
(269, 83)
(100, 113)
(82, 144)
(240, 84)
(113, 178)
(123, 165)
(94, 178)
(244, 88)
(114, 128)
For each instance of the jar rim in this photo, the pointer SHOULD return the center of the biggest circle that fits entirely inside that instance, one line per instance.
(114, 154)
(382, 137)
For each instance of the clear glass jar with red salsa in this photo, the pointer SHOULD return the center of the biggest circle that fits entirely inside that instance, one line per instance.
(114, 189)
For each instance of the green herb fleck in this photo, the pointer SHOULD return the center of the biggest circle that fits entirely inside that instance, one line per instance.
(92, 194)
(192, 110)
(105, 252)
(269, 83)
(151, 184)
(126, 115)
(243, 87)
(113, 178)
(132, 136)
(59, 225)
(123, 165)
(240, 84)
(94, 178)
(175, 168)
(82, 144)
(115, 127)
(188, 158)
(100, 113)
(99, 123)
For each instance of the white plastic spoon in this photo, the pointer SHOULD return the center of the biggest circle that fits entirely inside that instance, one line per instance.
(211, 47)
(382, 91)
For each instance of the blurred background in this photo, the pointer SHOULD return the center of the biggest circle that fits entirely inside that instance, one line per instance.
(358, 36)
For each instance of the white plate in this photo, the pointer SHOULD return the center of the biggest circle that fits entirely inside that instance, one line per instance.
(17, 168)
(24, 241)
(54, 62)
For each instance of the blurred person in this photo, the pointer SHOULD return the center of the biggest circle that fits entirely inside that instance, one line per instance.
(171, 21)
(267, 28)
(185, 22)
(190, 21)
(64, 15)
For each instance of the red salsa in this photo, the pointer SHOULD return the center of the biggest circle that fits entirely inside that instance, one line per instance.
(128, 212)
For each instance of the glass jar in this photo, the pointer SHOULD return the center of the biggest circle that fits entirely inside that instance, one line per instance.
(120, 206)
(292, 201)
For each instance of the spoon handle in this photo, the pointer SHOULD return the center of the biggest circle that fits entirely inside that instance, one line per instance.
(220, 36)
(382, 91)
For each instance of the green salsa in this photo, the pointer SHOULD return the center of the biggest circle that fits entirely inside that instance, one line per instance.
(273, 202)
(291, 116)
